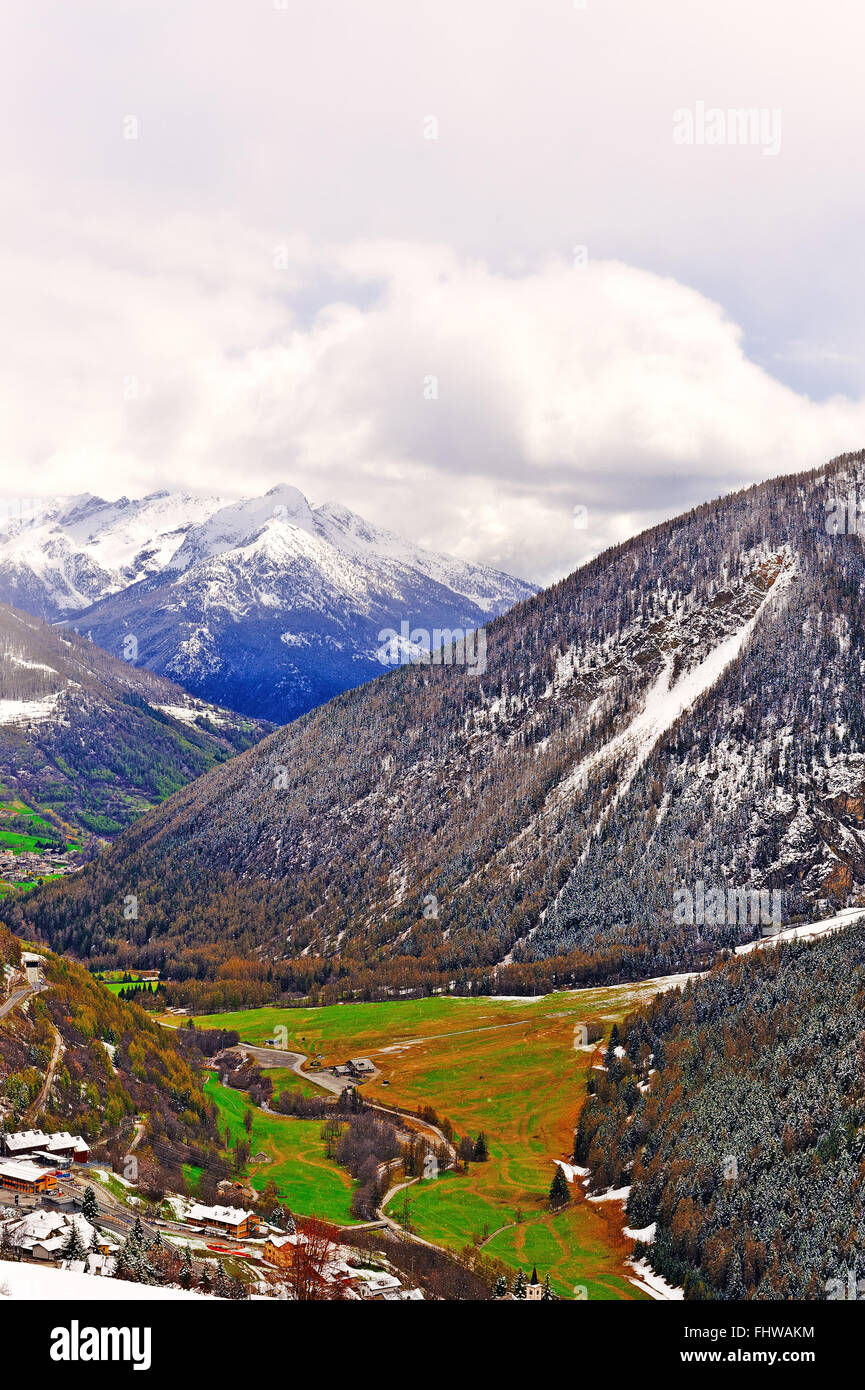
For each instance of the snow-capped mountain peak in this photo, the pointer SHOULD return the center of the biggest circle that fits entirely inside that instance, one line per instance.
(263, 603)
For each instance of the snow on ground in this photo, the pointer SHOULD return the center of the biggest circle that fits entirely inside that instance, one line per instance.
(615, 1194)
(646, 1234)
(187, 715)
(571, 1171)
(653, 1284)
(665, 702)
(16, 711)
(810, 932)
(26, 1281)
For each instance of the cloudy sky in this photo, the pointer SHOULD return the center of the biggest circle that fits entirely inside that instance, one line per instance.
(458, 264)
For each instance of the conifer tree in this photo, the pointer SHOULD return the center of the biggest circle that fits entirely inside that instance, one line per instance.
(559, 1194)
(73, 1247)
(89, 1206)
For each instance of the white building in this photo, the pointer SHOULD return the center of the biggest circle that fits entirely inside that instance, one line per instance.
(43, 1234)
(63, 1146)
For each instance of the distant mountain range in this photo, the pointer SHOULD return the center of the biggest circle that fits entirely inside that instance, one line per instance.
(683, 714)
(266, 605)
(89, 741)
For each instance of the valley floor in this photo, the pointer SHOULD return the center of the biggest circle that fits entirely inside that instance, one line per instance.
(514, 1069)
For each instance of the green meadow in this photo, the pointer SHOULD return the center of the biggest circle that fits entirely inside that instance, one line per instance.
(308, 1181)
(509, 1068)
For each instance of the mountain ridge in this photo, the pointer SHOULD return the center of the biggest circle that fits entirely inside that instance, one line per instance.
(265, 605)
(531, 827)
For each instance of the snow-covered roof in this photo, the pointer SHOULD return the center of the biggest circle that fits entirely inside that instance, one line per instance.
(49, 1229)
(22, 1170)
(24, 1139)
(279, 1241)
(231, 1216)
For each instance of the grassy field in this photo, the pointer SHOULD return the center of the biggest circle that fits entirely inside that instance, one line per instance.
(309, 1182)
(509, 1068)
(343, 1030)
(285, 1080)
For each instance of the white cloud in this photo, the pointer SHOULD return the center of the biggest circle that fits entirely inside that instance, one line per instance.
(606, 387)
(147, 266)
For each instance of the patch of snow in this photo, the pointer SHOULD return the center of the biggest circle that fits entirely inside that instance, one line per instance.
(653, 1283)
(811, 931)
(30, 1281)
(646, 1234)
(19, 711)
(615, 1194)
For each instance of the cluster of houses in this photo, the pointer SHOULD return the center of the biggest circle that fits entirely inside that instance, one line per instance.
(27, 865)
(281, 1250)
(30, 1159)
(43, 1235)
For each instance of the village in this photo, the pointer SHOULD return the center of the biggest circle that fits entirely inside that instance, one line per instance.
(75, 1206)
(56, 1211)
(28, 866)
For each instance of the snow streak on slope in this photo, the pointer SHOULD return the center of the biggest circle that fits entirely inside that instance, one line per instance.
(666, 702)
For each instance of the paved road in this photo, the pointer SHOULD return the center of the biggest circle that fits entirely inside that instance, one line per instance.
(16, 997)
(275, 1057)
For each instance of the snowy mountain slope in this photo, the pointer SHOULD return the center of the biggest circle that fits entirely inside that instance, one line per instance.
(58, 558)
(684, 710)
(88, 740)
(271, 607)
(264, 604)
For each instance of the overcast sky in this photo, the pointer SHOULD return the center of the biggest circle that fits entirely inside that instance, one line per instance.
(441, 260)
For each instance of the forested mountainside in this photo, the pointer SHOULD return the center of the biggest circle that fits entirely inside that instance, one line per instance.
(265, 605)
(90, 741)
(114, 1062)
(684, 710)
(737, 1115)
